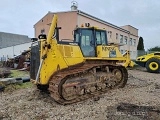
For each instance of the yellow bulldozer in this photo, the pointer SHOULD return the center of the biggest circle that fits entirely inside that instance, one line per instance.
(77, 70)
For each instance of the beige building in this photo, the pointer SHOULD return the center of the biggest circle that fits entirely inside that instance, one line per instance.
(69, 20)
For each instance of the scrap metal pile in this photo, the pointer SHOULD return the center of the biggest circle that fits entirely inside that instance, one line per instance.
(4, 73)
(19, 62)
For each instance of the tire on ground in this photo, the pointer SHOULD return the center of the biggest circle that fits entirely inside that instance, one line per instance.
(153, 65)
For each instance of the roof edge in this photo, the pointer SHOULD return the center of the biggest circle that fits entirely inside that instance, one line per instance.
(49, 12)
(89, 16)
(14, 34)
(130, 26)
(41, 18)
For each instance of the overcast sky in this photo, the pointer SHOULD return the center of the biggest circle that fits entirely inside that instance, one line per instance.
(19, 16)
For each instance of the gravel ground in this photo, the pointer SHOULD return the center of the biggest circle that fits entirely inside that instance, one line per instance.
(142, 90)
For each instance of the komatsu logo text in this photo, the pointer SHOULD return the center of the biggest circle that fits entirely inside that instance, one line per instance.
(105, 48)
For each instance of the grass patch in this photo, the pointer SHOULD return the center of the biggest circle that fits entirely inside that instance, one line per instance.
(17, 73)
(15, 86)
(24, 85)
(12, 87)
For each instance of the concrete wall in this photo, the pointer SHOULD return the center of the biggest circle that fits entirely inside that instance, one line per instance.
(10, 52)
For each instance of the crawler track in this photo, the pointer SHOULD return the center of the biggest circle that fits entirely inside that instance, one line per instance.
(86, 81)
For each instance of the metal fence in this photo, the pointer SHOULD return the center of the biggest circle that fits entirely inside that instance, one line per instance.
(3, 58)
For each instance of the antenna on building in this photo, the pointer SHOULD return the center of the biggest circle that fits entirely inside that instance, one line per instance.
(74, 5)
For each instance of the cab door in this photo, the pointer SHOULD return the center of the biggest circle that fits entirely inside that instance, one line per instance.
(87, 43)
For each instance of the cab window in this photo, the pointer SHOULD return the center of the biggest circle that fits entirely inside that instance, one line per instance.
(100, 38)
(103, 37)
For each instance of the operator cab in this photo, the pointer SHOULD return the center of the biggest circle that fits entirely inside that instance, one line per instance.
(88, 40)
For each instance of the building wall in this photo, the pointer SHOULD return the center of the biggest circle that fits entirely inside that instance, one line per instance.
(66, 20)
(114, 35)
(69, 20)
(133, 30)
(43, 25)
(12, 51)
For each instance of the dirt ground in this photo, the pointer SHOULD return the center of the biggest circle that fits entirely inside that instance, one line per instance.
(139, 99)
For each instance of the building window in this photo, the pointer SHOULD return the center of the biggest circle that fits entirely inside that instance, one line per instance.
(116, 36)
(134, 42)
(42, 31)
(121, 51)
(130, 42)
(110, 34)
(121, 38)
(125, 40)
(134, 54)
(130, 53)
